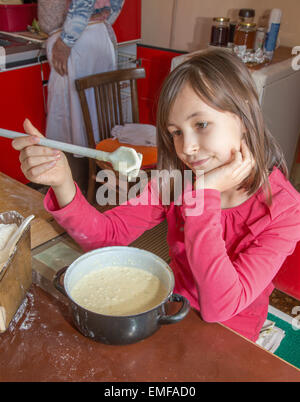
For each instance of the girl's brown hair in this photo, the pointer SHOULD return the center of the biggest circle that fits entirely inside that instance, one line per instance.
(222, 81)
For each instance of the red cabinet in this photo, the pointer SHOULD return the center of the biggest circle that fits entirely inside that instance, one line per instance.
(128, 24)
(157, 64)
(288, 278)
(21, 97)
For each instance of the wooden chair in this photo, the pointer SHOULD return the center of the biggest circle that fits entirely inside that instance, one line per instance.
(108, 98)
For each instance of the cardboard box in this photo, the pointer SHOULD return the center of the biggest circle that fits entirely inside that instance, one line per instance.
(16, 274)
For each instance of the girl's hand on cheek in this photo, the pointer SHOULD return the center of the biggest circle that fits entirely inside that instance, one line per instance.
(232, 173)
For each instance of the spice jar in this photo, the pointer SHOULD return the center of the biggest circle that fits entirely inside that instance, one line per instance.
(244, 37)
(246, 15)
(219, 31)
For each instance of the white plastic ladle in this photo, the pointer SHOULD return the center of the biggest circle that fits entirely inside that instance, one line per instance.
(12, 241)
(125, 160)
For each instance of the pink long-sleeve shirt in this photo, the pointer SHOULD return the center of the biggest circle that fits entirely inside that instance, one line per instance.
(223, 260)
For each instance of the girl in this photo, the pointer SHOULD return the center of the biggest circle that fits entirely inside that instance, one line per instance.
(225, 258)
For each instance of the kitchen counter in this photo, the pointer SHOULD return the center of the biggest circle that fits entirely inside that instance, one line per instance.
(24, 48)
(282, 53)
(43, 345)
(21, 50)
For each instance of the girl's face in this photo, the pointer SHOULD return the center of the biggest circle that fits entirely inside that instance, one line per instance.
(203, 137)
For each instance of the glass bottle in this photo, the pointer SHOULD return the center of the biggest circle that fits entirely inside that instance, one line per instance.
(219, 31)
(232, 28)
(246, 15)
(244, 37)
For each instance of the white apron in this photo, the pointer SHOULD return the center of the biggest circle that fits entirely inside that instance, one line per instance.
(93, 53)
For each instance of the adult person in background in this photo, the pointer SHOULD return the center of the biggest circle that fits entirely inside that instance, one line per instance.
(81, 42)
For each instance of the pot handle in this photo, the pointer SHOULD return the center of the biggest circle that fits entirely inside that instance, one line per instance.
(185, 308)
(56, 280)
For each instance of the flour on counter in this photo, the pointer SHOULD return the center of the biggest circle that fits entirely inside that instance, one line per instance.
(6, 231)
(23, 315)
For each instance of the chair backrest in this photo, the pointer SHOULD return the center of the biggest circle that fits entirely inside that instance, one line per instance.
(288, 278)
(108, 99)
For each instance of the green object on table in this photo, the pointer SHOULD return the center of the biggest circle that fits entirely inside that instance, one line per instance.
(58, 256)
(289, 349)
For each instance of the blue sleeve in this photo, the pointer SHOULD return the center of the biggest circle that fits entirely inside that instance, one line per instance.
(77, 19)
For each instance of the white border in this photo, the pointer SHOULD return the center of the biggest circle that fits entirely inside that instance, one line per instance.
(283, 316)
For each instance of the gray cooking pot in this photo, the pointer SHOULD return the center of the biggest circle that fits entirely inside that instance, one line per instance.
(120, 330)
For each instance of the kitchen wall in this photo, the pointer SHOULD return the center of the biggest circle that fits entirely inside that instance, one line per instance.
(156, 22)
(192, 20)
